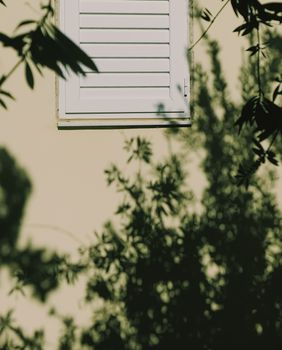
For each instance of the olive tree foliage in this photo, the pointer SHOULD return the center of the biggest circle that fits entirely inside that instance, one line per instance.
(34, 271)
(40, 44)
(261, 111)
(167, 277)
(164, 276)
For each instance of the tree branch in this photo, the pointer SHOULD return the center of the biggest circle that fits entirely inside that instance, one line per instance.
(209, 26)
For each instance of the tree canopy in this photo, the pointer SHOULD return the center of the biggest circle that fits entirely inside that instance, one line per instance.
(261, 111)
(40, 43)
(167, 276)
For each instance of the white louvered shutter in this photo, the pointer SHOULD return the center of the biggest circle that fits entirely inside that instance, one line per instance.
(139, 47)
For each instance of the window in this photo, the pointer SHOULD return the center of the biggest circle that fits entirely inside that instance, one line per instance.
(139, 47)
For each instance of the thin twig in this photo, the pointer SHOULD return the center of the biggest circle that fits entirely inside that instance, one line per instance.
(258, 62)
(13, 69)
(272, 141)
(211, 23)
(57, 229)
(41, 22)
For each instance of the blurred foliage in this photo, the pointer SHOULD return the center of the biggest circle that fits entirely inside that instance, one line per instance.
(166, 277)
(39, 44)
(31, 269)
(262, 109)
(12, 337)
(15, 188)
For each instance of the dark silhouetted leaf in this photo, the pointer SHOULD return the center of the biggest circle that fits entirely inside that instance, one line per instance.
(206, 15)
(3, 104)
(272, 158)
(276, 93)
(264, 113)
(248, 113)
(253, 49)
(29, 75)
(7, 94)
(5, 39)
(25, 23)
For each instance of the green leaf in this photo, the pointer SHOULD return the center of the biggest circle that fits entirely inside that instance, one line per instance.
(272, 158)
(70, 47)
(258, 144)
(5, 39)
(273, 6)
(241, 7)
(276, 92)
(248, 113)
(264, 113)
(234, 6)
(37, 67)
(29, 76)
(258, 152)
(7, 94)
(3, 104)
(253, 49)
(24, 23)
(206, 15)
(272, 11)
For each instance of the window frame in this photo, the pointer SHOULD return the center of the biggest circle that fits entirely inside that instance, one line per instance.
(73, 117)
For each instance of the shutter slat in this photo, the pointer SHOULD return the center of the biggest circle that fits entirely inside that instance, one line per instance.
(117, 93)
(132, 65)
(124, 50)
(131, 7)
(128, 79)
(127, 107)
(124, 21)
(139, 48)
(123, 36)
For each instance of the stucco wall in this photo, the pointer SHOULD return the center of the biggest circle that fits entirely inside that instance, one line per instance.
(67, 167)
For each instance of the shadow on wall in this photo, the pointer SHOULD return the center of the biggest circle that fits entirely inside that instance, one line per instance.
(28, 265)
(172, 279)
(165, 277)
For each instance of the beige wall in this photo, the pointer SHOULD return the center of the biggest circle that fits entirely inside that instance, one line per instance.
(66, 167)
(67, 171)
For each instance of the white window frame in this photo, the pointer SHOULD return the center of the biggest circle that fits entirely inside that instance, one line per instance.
(72, 113)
